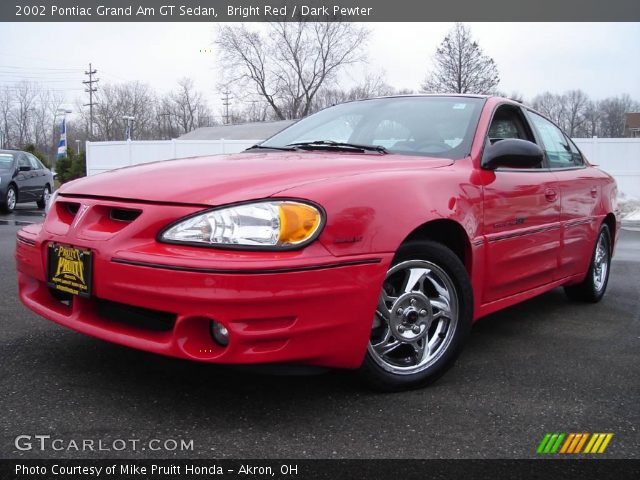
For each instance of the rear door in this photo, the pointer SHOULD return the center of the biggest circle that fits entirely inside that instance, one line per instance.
(579, 191)
(521, 217)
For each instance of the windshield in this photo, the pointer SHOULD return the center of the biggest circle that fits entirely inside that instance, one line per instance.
(428, 126)
(6, 160)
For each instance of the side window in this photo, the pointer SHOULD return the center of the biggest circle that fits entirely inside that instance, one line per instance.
(33, 161)
(575, 153)
(508, 122)
(556, 145)
(23, 161)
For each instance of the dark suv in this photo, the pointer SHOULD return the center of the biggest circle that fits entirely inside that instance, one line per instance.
(23, 179)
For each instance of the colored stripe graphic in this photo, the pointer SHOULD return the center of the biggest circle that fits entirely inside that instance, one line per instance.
(555, 447)
(543, 443)
(581, 442)
(567, 443)
(598, 442)
(550, 443)
(573, 443)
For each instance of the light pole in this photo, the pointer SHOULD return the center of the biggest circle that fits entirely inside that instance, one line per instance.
(78, 146)
(127, 132)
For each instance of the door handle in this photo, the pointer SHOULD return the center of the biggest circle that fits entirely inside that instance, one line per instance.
(594, 192)
(550, 194)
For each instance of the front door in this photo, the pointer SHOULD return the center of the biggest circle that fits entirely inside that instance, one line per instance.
(25, 179)
(521, 218)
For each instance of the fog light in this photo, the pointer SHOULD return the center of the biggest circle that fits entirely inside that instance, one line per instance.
(220, 334)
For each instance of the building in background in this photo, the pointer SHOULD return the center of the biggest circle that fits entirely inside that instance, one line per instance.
(632, 125)
(243, 131)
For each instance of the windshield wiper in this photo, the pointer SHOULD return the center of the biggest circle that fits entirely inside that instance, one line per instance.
(257, 146)
(321, 144)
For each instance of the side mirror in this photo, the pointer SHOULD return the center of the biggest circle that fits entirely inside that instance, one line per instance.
(512, 153)
(24, 168)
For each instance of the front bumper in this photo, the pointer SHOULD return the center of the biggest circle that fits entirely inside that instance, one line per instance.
(305, 307)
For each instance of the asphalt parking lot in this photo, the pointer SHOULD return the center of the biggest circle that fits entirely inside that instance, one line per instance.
(548, 365)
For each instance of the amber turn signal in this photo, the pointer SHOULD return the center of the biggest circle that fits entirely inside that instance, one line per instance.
(298, 222)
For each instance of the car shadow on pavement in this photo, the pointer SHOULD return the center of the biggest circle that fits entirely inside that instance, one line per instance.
(95, 365)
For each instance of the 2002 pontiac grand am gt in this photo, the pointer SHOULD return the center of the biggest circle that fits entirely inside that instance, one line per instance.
(369, 235)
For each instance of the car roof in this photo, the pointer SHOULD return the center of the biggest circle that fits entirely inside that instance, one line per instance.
(436, 95)
(470, 95)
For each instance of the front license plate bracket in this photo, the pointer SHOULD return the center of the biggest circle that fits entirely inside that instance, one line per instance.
(70, 269)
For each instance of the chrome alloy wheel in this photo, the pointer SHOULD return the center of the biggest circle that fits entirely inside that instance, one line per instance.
(46, 196)
(416, 318)
(601, 263)
(11, 199)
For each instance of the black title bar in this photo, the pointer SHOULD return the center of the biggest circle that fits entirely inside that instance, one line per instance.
(319, 10)
(317, 469)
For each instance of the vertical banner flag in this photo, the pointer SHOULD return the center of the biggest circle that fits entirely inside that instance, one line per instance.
(62, 145)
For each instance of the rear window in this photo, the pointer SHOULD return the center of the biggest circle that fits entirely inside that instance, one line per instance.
(6, 160)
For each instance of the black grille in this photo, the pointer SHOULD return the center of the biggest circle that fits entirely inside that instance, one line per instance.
(144, 318)
(71, 207)
(124, 214)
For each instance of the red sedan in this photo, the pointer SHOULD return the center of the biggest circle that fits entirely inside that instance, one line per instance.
(369, 235)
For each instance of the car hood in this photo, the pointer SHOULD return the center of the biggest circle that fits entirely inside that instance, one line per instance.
(221, 179)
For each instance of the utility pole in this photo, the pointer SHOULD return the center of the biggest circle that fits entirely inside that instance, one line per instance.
(90, 89)
(166, 125)
(226, 102)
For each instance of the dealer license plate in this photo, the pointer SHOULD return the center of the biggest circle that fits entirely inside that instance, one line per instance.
(69, 269)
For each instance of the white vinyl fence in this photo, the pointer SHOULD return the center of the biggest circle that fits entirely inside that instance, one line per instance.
(618, 156)
(104, 156)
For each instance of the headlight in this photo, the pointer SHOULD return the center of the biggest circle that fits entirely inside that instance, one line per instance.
(272, 224)
(51, 201)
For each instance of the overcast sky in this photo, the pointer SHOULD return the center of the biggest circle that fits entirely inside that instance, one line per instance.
(601, 58)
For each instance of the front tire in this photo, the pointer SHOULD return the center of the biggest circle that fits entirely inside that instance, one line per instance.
(594, 285)
(423, 318)
(46, 194)
(8, 203)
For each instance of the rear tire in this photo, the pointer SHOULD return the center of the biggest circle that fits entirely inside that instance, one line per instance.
(594, 286)
(8, 203)
(46, 194)
(423, 318)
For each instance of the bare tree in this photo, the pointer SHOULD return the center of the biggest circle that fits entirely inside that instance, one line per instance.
(25, 95)
(575, 104)
(185, 109)
(45, 127)
(551, 105)
(373, 85)
(289, 63)
(6, 107)
(612, 115)
(117, 100)
(460, 66)
(591, 120)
